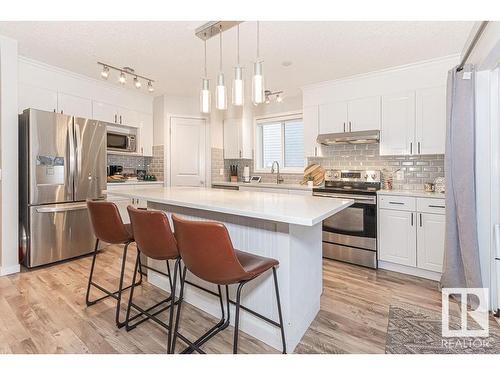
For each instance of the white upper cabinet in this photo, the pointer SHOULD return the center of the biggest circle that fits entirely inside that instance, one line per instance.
(310, 117)
(350, 116)
(430, 130)
(238, 139)
(37, 98)
(74, 105)
(364, 114)
(397, 129)
(146, 134)
(430, 241)
(333, 118)
(104, 112)
(232, 139)
(128, 117)
(397, 237)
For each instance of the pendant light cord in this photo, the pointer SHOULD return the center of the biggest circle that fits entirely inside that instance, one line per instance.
(220, 46)
(205, 41)
(258, 39)
(238, 45)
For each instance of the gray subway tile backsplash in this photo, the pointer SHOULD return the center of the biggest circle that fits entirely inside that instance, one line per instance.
(154, 165)
(417, 169)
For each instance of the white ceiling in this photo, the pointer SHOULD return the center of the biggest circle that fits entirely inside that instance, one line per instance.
(170, 53)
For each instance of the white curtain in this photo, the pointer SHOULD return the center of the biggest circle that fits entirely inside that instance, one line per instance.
(461, 261)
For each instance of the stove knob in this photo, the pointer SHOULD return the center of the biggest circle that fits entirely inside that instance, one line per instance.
(335, 175)
(366, 176)
(374, 176)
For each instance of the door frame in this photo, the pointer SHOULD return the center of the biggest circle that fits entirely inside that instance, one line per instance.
(168, 137)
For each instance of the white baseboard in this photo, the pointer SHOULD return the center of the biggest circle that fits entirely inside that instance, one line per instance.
(431, 275)
(4, 271)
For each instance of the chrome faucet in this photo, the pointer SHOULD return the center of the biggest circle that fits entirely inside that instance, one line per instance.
(279, 179)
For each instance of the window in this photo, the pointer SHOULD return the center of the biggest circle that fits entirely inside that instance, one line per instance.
(282, 140)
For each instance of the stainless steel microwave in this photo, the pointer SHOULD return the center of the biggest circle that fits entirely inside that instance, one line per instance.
(121, 141)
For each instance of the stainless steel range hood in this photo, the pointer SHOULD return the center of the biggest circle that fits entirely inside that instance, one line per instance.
(367, 136)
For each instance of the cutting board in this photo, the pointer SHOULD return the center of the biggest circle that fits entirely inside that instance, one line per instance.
(316, 171)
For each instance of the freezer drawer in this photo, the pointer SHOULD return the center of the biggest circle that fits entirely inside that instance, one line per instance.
(58, 232)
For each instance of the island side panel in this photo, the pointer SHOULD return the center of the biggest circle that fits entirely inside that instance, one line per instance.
(298, 274)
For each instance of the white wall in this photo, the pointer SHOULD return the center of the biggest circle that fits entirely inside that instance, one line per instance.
(9, 262)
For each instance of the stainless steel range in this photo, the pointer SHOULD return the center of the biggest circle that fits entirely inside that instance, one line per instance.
(351, 235)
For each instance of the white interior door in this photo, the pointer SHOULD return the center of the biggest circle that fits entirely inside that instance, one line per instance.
(187, 158)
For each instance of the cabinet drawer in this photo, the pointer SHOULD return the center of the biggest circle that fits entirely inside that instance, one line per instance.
(431, 205)
(395, 202)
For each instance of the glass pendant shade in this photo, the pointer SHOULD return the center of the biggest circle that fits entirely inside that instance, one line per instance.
(258, 96)
(220, 93)
(205, 96)
(238, 87)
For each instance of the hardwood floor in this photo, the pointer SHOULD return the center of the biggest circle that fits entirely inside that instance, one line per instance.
(44, 311)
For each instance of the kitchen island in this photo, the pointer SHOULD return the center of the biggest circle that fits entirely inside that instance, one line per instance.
(281, 226)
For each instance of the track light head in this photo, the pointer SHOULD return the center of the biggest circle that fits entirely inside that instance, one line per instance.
(137, 83)
(105, 72)
(122, 78)
(150, 86)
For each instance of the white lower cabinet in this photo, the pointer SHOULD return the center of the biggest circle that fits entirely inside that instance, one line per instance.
(430, 241)
(397, 237)
(412, 235)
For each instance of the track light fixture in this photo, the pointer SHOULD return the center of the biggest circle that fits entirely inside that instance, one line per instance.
(123, 73)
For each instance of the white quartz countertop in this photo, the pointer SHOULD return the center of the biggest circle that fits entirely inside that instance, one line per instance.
(263, 185)
(285, 208)
(134, 182)
(412, 193)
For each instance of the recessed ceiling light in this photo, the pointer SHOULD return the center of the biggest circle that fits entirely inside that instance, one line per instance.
(286, 63)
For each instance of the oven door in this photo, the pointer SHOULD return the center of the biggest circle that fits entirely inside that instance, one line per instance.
(117, 141)
(354, 226)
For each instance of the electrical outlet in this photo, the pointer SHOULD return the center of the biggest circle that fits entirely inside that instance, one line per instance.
(221, 172)
(400, 176)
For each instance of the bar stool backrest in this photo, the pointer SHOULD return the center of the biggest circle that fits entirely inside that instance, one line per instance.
(207, 251)
(153, 234)
(107, 222)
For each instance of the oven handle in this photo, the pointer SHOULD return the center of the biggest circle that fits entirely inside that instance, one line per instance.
(367, 200)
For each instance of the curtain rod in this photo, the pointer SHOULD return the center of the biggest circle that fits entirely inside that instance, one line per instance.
(472, 45)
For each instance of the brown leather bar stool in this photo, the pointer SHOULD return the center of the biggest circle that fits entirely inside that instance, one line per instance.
(108, 227)
(154, 238)
(207, 252)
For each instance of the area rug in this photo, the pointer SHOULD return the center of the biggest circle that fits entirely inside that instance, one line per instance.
(415, 330)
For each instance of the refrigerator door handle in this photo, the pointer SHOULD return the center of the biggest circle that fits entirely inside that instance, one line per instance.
(78, 150)
(71, 151)
(62, 208)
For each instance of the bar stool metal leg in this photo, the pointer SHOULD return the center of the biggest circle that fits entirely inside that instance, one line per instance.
(173, 286)
(94, 256)
(282, 328)
(120, 324)
(136, 267)
(237, 316)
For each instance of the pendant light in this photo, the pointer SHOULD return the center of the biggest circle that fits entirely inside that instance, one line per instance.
(258, 96)
(205, 100)
(220, 89)
(238, 85)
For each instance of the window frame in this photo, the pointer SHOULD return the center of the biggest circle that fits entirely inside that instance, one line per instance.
(280, 117)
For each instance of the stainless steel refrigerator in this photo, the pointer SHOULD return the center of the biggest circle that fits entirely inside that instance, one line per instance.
(62, 162)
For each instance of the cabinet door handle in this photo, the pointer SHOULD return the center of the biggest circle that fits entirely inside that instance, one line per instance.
(62, 112)
(116, 116)
(55, 110)
(350, 126)
(420, 219)
(240, 154)
(120, 119)
(436, 206)
(418, 144)
(400, 203)
(411, 148)
(344, 127)
(412, 219)
(315, 151)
